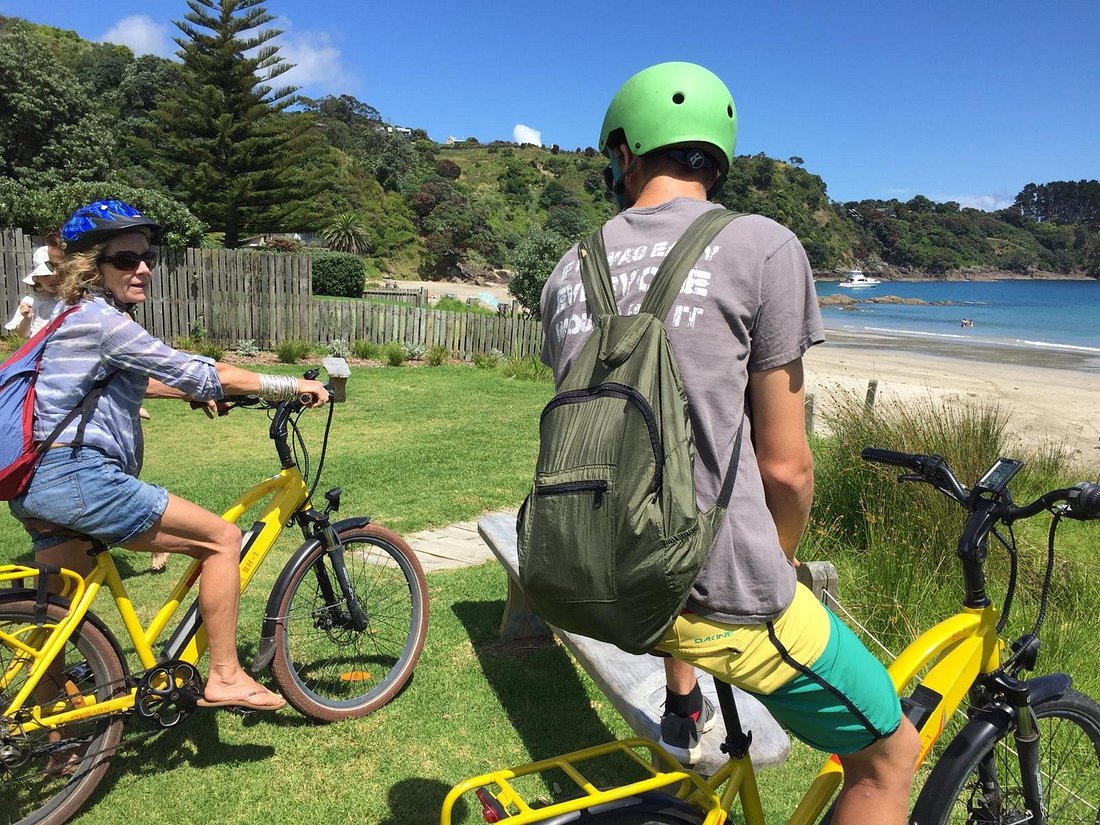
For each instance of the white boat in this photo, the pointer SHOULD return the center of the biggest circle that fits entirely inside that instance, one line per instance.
(856, 278)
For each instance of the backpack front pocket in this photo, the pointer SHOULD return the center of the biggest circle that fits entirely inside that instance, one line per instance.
(572, 509)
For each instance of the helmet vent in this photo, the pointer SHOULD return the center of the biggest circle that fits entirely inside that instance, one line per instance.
(678, 98)
(729, 111)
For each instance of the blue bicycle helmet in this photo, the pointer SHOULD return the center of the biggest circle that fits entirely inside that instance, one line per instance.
(98, 221)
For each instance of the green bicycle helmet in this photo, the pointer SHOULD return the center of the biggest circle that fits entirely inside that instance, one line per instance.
(672, 105)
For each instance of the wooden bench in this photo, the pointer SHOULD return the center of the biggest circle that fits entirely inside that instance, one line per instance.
(635, 685)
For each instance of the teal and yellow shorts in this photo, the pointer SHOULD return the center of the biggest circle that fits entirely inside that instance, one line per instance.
(806, 667)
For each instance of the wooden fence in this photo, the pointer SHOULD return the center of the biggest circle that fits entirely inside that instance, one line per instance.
(233, 295)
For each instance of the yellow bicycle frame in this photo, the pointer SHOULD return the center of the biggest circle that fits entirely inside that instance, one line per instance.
(289, 495)
(954, 652)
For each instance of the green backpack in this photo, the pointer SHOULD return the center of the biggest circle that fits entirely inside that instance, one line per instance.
(610, 536)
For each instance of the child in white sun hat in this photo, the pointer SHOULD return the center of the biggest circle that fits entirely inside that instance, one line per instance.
(35, 310)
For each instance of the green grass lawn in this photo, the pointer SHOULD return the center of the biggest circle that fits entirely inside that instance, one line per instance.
(416, 448)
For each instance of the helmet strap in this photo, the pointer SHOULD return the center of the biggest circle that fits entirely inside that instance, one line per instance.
(617, 184)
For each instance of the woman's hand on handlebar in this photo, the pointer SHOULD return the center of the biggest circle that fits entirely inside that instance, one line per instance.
(211, 408)
(312, 393)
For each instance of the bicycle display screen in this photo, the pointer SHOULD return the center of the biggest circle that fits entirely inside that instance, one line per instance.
(998, 476)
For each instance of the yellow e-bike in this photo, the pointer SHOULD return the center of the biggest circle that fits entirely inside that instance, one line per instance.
(1029, 751)
(342, 632)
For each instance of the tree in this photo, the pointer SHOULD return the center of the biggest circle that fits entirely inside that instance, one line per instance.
(534, 259)
(52, 128)
(346, 233)
(1062, 201)
(227, 145)
(39, 210)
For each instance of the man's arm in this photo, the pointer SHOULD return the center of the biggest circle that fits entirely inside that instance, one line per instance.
(786, 465)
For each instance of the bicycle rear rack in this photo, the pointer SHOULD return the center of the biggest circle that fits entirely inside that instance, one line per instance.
(663, 773)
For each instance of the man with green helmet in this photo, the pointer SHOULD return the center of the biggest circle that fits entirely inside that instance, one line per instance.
(742, 320)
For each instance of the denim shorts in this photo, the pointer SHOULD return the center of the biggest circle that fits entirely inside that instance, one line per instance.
(82, 491)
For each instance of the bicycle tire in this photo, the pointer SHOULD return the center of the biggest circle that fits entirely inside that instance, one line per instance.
(1069, 760)
(34, 789)
(321, 664)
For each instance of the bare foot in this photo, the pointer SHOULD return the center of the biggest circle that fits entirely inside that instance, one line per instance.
(143, 414)
(159, 562)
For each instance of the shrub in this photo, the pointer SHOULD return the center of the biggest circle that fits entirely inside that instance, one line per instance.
(488, 360)
(211, 350)
(395, 354)
(188, 344)
(246, 348)
(437, 355)
(338, 348)
(447, 168)
(526, 369)
(367, 350)
(282, 243)
(414, 351)
(290, 352)
(338, 273)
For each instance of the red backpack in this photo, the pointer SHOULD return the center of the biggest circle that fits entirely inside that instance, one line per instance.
(18, 374)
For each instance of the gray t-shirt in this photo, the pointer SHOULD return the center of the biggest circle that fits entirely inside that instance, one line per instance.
(748, 305)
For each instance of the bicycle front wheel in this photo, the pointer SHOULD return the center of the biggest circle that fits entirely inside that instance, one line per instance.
(326, 664)
(45, 776)
(987, 789)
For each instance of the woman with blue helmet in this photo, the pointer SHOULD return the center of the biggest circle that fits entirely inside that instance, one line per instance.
(87, 481)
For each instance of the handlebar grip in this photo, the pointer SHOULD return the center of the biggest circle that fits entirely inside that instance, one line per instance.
(1085, 504)
(909, 461)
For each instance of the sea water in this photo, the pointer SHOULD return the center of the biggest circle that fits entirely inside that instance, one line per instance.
(1049, 317)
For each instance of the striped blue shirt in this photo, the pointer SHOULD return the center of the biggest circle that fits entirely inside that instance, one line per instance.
(96, 340)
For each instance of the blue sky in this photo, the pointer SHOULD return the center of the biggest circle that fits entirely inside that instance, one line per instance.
(966, 100)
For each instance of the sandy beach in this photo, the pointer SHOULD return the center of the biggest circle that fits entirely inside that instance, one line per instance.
(1047, 403)
(1051, 395)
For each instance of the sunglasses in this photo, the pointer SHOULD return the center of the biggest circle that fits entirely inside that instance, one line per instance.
(128, 261)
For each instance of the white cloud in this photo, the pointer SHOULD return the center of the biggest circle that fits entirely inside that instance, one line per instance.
(525, 134)
(142, 34)
(987, 203)
(317, 62)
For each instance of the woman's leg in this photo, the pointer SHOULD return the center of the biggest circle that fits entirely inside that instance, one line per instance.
(189, 529)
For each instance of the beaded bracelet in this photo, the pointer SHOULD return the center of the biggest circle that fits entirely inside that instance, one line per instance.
(278, 387)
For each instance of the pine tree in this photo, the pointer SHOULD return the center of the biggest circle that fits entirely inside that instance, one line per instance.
(226, 144)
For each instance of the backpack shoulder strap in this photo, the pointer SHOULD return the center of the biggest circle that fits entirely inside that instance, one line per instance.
(82, 409)
(598, 292)
(675, 268)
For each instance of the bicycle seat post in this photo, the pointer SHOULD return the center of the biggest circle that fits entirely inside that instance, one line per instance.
(738, 740)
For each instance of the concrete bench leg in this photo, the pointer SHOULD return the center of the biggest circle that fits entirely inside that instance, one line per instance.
(519, 620)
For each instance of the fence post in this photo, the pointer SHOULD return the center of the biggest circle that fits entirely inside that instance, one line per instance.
(808, 412)
(872, 389)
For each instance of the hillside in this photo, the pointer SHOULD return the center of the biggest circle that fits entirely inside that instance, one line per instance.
(88, 120)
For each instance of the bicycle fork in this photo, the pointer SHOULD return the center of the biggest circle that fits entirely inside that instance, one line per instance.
(335, 552)
(1025, 733)
(335, 586)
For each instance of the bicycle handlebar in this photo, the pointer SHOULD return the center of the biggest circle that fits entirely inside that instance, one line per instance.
(1082, 500)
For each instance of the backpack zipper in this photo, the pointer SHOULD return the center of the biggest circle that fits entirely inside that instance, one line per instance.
(631, 395)
(597, 488)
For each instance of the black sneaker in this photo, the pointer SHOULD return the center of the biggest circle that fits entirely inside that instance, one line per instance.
(681, 735)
